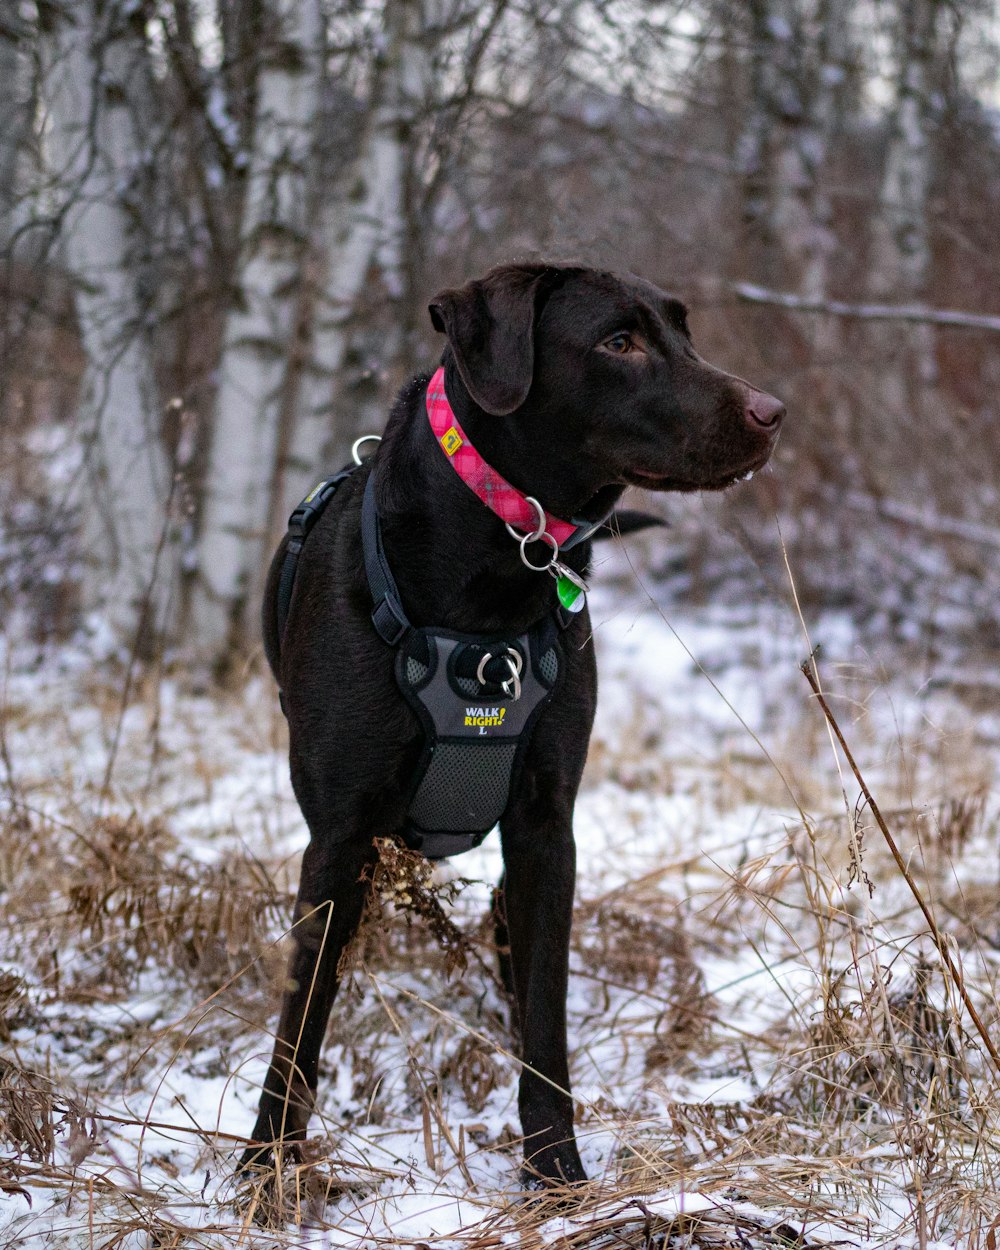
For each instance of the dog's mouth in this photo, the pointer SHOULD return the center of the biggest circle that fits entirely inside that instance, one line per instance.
(649, 480)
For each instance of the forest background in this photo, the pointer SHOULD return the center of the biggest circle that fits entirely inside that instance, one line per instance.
(220, 225)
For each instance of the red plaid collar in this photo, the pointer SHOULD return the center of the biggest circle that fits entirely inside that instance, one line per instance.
(495, 491)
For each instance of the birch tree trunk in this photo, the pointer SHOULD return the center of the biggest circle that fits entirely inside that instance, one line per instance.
(258, 335)
(797, 67)
(818, 134)
(900, 234)
(799, 51)
(14, 111)
(358, 230)
(903, 385)
(95, 65)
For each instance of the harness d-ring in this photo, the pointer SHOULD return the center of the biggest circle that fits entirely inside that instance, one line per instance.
(360, 442)
(512, 685)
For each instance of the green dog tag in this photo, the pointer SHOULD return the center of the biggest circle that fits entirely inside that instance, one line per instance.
(571, 595)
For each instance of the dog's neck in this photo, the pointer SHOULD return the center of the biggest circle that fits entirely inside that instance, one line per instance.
(515, 508)
(454, 561)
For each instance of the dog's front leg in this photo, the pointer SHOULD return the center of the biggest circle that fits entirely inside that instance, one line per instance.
(331, 897)
(539, 876)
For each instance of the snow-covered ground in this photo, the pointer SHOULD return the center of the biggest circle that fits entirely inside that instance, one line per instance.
(764, 1047)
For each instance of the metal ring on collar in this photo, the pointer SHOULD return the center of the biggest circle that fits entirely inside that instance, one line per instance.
(540, 523)
(512, 657)
(545, 536)
(359, 443)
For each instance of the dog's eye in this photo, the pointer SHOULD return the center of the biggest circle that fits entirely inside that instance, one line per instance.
(620, 344)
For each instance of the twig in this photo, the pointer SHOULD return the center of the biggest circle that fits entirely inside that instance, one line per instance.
(808, 669)
(131, 1121)
(955, 318)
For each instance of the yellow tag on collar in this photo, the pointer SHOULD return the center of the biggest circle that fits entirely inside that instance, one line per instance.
(451, 440)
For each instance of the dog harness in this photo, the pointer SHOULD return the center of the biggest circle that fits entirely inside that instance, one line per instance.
(477, 697)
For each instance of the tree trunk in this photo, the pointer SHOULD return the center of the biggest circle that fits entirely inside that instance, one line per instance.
(358, 231)
(903, 383)
(824, 118)
(799, 52)
(796, 70)
(258, 337)
(96, 64)
(14, 110)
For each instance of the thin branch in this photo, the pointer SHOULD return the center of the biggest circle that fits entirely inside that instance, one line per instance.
(868, 312)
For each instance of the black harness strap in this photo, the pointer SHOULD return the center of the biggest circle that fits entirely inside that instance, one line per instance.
(300, 523)
(390, 621)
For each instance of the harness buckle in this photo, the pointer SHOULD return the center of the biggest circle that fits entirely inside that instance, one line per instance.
(390, 620)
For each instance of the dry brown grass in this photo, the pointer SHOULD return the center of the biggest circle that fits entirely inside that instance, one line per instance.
(765, 1055)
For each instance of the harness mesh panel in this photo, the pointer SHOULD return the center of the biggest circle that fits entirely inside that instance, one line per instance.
(415, 671)
(468, 686)
(465, 786)
(548, 665)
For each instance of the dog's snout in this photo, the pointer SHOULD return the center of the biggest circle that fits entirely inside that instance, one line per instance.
(764, 410)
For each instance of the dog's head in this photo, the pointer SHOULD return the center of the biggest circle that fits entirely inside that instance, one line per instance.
(576, 382)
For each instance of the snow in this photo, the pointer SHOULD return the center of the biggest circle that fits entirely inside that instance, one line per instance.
(695, 869)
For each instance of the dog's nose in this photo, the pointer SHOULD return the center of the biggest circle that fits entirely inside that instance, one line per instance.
(764, 410)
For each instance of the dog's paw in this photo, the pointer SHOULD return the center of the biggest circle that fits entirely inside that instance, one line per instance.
(555, 1174)
(256, 1160)
(289, 1182)
(548, 1197)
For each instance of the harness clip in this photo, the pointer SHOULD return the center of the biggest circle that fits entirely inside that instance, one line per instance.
(389, 620)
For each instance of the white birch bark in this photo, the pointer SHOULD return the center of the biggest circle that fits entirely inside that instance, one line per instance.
(818, 132)
(257, 339)
(94, 61)
(361, 227)
(903, 392)
(796, 70)
(13, 109)
(799, 54)
(766, 154)
(900, 231)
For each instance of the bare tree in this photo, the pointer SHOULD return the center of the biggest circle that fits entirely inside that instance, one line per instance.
(358, 233)
(95, 79)
(904, 382)
(253, 368)
(13, 109)
(797, 67)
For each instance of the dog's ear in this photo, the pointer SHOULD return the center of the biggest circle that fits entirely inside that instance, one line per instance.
(490, 324)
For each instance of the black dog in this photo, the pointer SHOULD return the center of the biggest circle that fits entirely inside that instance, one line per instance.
(573, 383)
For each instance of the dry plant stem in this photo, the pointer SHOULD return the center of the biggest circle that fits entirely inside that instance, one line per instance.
(144, 625)
(935, 932)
